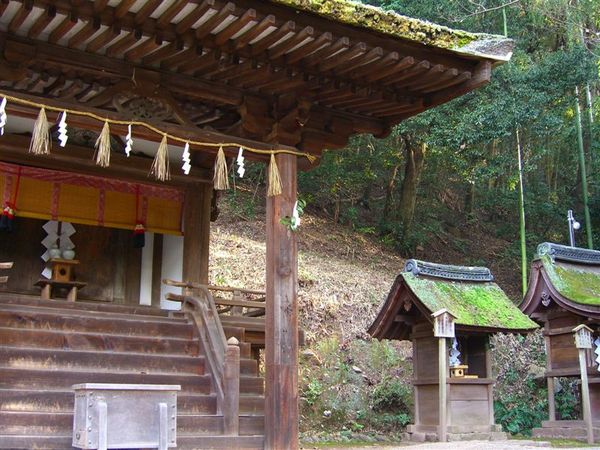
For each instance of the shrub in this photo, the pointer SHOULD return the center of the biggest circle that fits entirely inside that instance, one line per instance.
(392, 395)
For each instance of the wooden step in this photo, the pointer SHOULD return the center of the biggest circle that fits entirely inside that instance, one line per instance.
(45, 442)
(220, 442)
(181, 318)
(17, 337)
(9, 298)
(44, 423)
(113, 325)
(62, 401)
(35, 358)
(53, 359)
(61, 379)
(205, 425)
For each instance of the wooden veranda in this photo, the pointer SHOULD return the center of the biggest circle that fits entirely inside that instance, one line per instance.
(285, 77)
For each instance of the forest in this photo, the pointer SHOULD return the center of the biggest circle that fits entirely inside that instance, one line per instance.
(457, 166)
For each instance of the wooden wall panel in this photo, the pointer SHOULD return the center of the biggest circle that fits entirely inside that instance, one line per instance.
(428, 405)
(23, 247)
(426, 365)
(563, 352)
(109, 264)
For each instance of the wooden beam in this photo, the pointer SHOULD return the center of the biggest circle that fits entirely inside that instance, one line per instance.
(80, 159)
(183, 132)
(20, 16)
(42, 22)
(64, 27)
(77, 60)
(196, 233)
(281, 322)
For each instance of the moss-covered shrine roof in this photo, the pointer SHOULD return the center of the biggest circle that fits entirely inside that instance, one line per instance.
(473, 303)
(573, 272)
(396, 25)
(468, 293)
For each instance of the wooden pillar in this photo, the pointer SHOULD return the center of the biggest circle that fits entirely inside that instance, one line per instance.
(281, 334)
(442, 369)
(157, 255)
(585, 396)
(196, 234)
(549, 380)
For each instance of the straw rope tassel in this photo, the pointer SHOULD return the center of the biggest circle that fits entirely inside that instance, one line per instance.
(160, 165)
(274, 178)
(40, 137)
(220, 179)
(103, 147)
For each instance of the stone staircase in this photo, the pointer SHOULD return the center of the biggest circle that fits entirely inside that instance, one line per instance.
(47, 346)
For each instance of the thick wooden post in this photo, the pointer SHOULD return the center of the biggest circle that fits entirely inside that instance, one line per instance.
(585, 396)
(281, 334)
(196, 225)
(231, 389)
(442, 355)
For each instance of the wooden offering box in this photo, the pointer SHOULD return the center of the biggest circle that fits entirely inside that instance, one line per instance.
(480, 308)
(563, 293)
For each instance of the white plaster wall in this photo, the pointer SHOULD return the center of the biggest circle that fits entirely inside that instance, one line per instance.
(172, 268)
(146, 275)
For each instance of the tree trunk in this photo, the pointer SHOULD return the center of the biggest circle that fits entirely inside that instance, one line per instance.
(389, 192)
(415, 157)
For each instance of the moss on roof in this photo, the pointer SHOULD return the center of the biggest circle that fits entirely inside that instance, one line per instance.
(473, 303)
(399, 26)
(577, 282)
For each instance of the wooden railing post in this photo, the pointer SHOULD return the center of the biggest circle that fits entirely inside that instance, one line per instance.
(231, 389)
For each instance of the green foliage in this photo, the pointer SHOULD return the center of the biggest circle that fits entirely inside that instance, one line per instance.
(392, 395)
(471, 143)
(312, 392)
(519, 417)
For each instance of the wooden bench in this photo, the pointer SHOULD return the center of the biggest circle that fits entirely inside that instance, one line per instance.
(48, 286)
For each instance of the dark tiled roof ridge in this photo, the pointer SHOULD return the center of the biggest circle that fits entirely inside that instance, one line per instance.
(447, 271)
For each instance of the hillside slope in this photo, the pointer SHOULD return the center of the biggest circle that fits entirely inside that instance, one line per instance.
(349, 383)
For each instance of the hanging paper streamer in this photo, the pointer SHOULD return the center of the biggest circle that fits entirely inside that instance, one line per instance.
(295, 222)
(160, 165)
(274, 178)
(597, 352)
(103, 147)
(240, 162)
(40, 137)
(454, 354)
(2, 116)
(221, 181)
(62, 129)
(187, 159)
(128, 141)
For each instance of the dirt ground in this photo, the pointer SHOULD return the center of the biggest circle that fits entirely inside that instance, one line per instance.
(465, 445)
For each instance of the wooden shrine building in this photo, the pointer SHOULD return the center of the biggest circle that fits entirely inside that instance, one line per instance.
(563, 293)
(473, 307)
(95, 95)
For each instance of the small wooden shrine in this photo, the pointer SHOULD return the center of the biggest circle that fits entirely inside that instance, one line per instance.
(563, 294)
(455, 309)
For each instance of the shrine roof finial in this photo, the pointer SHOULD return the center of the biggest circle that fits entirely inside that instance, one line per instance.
(448, 272)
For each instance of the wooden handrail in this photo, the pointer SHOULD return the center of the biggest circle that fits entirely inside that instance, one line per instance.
(184, 284)
(222, 357)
